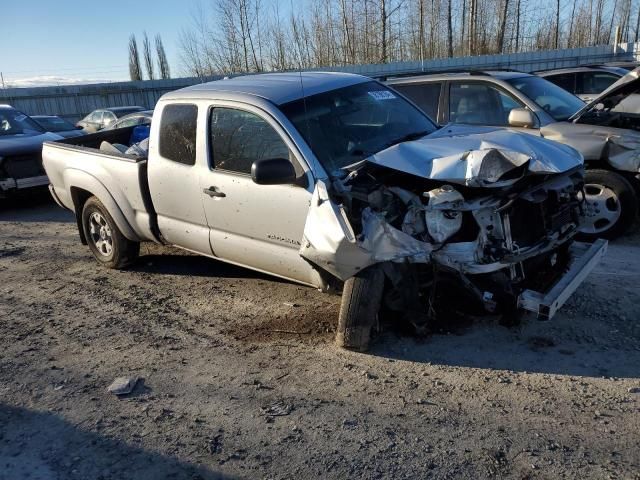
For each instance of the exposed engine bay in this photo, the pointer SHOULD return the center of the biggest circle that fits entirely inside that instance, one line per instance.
(466, 245)
(453, 247)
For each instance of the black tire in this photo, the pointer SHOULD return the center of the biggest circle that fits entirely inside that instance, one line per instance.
(614, 208)
(361, 299)
(109, 246)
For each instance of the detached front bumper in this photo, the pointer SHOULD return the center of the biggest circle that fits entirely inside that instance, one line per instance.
(584, 258)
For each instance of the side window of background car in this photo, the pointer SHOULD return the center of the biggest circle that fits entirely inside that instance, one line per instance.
(596, 82)
(95, 117)
(564, 80)
(178, 133)
(108, 118)
(479, 104)
(508, 103)
(239, 138)
(426, 96)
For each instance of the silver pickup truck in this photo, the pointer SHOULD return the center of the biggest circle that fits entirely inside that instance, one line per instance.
(337, 182)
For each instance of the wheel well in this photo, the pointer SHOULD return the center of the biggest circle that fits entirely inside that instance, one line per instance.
(631, 177)
(80, 197)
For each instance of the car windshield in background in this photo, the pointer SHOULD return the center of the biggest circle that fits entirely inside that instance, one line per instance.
(13, 122)
(54, 124)
(345, 125)
(556, 101)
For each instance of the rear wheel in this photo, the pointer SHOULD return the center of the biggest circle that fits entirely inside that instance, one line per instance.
(611, 205)
(361, 299)
(107, 243)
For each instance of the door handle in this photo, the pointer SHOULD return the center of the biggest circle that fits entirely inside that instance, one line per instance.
(214, 192)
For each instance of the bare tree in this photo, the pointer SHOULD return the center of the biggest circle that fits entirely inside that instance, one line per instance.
(135, 72)
(557, 23)
(449, 30)
(230, 36)
(637, 25)
(503, 25)
(163, 64)
(146, 55)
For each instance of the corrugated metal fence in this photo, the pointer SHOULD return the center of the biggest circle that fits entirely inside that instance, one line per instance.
(75, 101)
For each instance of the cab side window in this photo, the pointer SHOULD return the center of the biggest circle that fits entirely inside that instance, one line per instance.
(239, 138)
(596, 82)
(178, 133)
(564, 80)
(480, 104)
(426, 96)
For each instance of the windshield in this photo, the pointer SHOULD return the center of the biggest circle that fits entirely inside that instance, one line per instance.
(348, 124)
(54, 124)
(13, 122)
(554, 100)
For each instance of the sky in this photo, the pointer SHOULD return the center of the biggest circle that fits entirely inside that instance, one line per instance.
(49, 42)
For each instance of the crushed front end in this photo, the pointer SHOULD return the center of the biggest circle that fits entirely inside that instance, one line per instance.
(497, 238)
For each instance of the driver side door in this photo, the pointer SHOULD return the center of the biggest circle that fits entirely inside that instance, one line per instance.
(257, 226)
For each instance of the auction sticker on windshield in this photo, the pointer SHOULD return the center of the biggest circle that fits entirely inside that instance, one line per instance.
(382, 95)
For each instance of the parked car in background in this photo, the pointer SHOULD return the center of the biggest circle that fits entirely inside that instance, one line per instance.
(608, 138)
(627, 65)
(585, 82)
(133, 119)
(55, 124)
(337, 182)
(21, 151)
(101, 118)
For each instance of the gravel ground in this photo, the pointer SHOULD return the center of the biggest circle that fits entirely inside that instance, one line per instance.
(239, 377)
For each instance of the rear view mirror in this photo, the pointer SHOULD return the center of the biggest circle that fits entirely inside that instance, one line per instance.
(273, 171)
(521, 118)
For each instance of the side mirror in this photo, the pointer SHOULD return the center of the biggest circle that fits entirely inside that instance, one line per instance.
(273, 171)
(522, 118)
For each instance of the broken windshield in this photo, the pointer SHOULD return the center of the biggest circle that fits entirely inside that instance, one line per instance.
(346, 125)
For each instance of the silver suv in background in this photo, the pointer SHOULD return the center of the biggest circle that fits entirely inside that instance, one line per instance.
(604, 131)
(585, 82)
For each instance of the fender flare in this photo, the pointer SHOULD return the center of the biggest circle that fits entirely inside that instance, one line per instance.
(74, 178)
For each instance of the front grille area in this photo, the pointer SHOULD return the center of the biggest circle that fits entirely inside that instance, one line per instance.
(531, 222)
(22, 166)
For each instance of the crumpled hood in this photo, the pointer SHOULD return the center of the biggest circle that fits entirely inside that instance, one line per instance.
(24, 144)
(476, 156)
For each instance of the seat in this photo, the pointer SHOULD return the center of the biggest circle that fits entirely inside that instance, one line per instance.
(471, 109)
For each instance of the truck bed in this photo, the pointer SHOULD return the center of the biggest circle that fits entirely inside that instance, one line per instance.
(77, 168)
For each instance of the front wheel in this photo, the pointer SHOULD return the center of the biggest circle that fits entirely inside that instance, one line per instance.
(610, 205)
(107, 243)
(361, 299)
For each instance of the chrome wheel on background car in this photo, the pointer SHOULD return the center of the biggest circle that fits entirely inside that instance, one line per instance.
(101, 234)
(601, 209)
(610, 205)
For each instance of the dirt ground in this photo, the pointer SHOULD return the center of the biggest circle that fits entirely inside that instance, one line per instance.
(240, 379)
